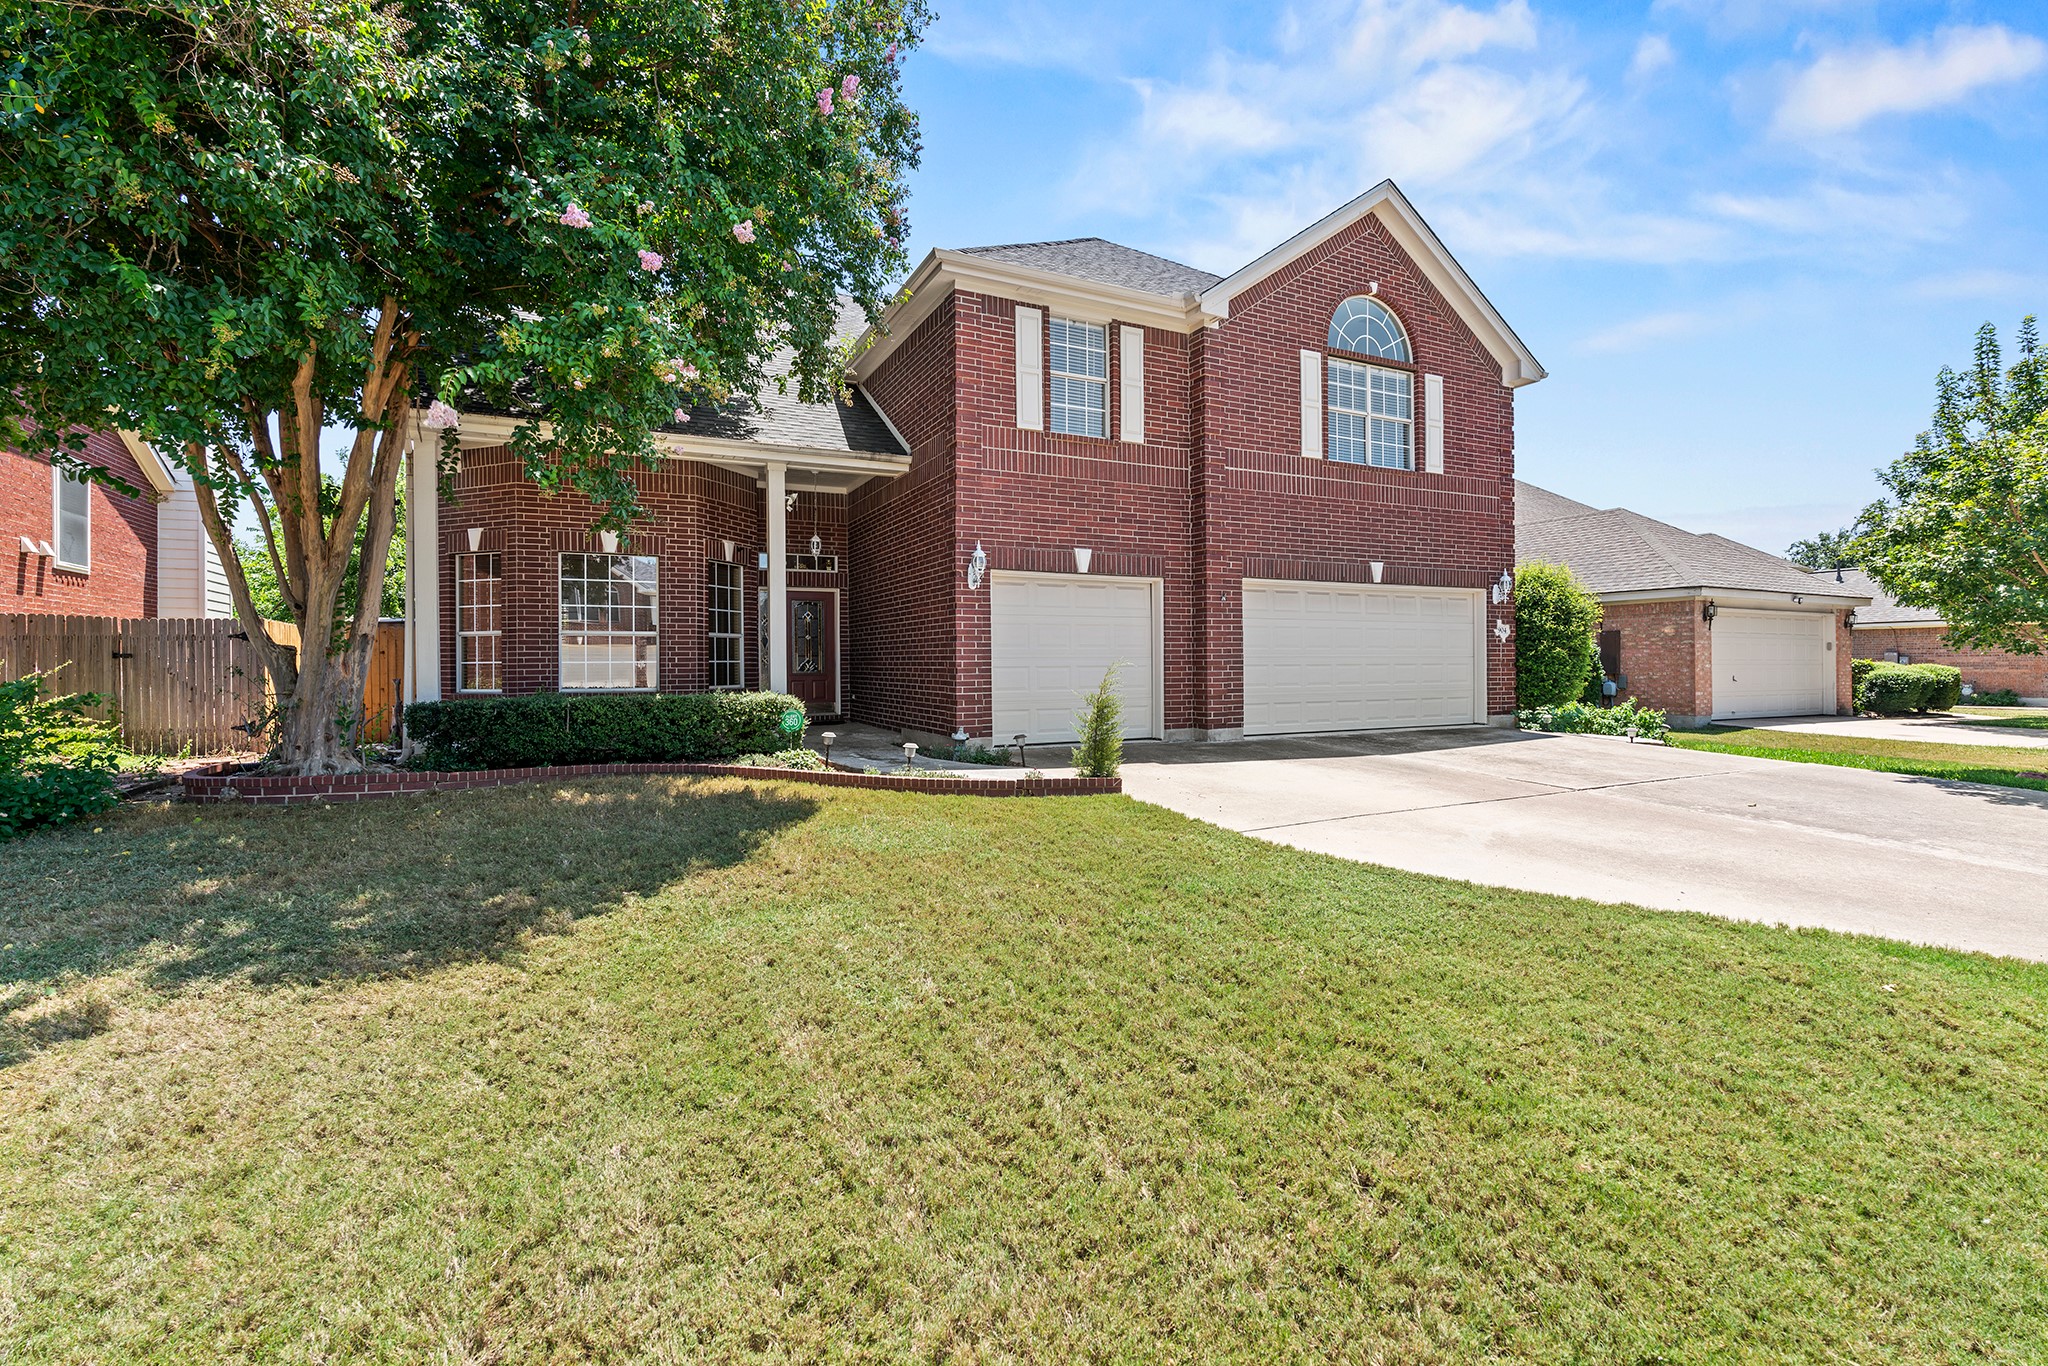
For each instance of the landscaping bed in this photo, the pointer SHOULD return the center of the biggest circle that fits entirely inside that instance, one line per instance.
(701, 1069)
(1998, 765)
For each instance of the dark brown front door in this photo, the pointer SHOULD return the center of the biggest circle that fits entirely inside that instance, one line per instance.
(814, 651)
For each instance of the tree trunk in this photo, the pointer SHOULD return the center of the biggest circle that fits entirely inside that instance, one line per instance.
(320, 725)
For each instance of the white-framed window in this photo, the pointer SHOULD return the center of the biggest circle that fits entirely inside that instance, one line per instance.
(608, 635)
(1364, 325)
(1372, 415)
(479, 624)
(73, 516)
(1080, 377)
(726, 627)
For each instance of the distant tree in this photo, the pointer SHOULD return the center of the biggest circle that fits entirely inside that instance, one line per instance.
(225, 222)
(1555, 649)
(1964, 530)
(1829, 550)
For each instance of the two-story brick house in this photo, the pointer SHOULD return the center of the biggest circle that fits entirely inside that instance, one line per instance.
(1281, 501)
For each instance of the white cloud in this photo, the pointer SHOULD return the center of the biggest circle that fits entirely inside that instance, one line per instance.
(1978, 284)
(1843, 90)
(1652, 327)
(1653, 53)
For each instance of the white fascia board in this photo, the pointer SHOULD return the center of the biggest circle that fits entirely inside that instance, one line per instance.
(941, 272)
(154, 467)
(1741, 597)
(491, 429)
(879, 412)
(1518, 365)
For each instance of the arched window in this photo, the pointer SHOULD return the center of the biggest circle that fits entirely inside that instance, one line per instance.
(1361, 324)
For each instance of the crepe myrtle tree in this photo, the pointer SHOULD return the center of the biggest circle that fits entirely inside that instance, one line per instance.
(1964, 528)
(228, 224)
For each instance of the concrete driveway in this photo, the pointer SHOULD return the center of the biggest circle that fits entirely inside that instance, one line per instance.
(1917, 859)
(1944, 730)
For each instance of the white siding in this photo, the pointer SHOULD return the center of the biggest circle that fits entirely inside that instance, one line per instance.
(189, 579)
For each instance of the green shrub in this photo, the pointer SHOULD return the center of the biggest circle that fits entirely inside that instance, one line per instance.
(547, 729)
(1101, 752)
(1555, 618)
(56, 763)
(809, 760)
(1580, 719)
(1896, 689)
(1997, 697)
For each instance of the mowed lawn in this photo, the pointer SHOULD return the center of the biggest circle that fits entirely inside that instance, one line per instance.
(2001, 765)
(701, 1070)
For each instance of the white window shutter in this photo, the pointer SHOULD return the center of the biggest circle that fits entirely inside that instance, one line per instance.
(1030, 368)
(1433, 422)
(1131, 384)
(1312, 405)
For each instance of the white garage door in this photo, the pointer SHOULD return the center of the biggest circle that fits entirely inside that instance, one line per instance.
(1051, 638)
(1321, 657)
(1773, 664)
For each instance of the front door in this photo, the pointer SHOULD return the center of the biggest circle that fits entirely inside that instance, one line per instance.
(814, 650)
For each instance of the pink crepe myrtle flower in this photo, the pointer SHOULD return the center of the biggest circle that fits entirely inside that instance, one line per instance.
(679, 370)
(787, 266)
(644, 207)
(439, 416)
(682, 416)
(650, 261)
(825, 100)
(849, 87)
(890, 55)
(575, 217)
(744, 230)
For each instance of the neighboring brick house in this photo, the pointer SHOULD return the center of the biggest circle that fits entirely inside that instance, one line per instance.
(1888, 630)
(1701, 627)
(1278, 502)
(85, 549)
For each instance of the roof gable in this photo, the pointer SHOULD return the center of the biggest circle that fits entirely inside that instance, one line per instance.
(1518, 365)
(1104, 262)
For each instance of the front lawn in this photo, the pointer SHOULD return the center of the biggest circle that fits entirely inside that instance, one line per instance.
(2002, 765)
(2012, 718)
(709, 1070)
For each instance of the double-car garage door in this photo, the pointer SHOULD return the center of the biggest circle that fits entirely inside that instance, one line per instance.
(1317, 656)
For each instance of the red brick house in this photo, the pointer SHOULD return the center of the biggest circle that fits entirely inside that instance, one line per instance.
(82, 548)
(1889, 630)
(1700, 627)
(1281, 501)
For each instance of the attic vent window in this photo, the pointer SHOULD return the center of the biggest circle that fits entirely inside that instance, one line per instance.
(1364, 326)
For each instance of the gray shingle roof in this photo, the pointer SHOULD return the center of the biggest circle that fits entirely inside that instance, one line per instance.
(774, 418)
(1533, 504)
(1884, 609)
(1106, 263)
(1618, 551)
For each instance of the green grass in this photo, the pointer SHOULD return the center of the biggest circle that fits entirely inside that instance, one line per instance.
(715, 1071)
(2013, 718)
(1997, 764)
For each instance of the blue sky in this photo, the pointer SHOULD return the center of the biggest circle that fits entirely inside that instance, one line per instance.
(1741, 234)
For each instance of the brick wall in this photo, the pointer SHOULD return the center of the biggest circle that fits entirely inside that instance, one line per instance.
(1984, 670)
(121, 581)
(1665, 655)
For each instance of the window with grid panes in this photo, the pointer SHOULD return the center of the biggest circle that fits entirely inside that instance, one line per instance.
(608, 638)
(1372, 415)
(727, 629)
(1079, 374)
(479, 624)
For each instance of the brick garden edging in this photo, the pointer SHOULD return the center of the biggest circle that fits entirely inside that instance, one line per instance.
(354, 787)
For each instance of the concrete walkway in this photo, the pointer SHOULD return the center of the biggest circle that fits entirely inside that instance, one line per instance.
(1944, 730)
(1917, 859)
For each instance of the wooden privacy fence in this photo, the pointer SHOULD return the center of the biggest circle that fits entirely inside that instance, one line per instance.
(180, 683)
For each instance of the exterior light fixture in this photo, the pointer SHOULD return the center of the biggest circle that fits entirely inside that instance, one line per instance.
(1503, 587)
(1850, 620)
(817, 544)
(827, 737)
(1082, 555)
(1709, 612)
(959, 735)
(1631, 733)
(910, 754)
(977, 567)
(1018, 741)
(789, 501)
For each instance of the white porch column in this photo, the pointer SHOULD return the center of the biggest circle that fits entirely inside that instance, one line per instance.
(423, 567)
(778, 579)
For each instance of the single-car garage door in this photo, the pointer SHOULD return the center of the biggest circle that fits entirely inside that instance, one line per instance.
(1051, 638)
(1773, 664)
(1326, 657)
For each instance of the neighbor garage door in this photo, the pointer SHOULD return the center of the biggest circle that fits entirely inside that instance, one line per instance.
(1322, 657)
(1773, 664)
(1053, 636)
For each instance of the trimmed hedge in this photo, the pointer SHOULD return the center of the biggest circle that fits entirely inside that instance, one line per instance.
(547, 730)
(1895, 689)
(1576, 718)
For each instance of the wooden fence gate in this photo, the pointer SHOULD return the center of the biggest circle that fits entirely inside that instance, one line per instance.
(180, 683)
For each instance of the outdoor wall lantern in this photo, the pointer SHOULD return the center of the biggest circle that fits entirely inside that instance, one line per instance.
(817, 544)
(789, 501)
(1501, 630)
(977, 567)
(1850, 620)
(1709, 612)
(1503, 586)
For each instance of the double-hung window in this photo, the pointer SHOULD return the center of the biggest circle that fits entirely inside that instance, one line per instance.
(726, 627)
(1372, 415)
(479, 624)
(1080, 377)
(74, 520)
(608, 624)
